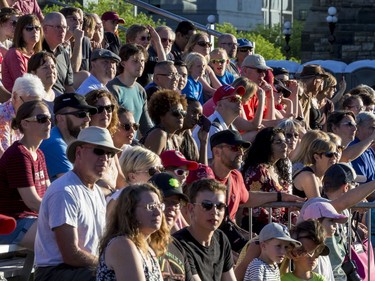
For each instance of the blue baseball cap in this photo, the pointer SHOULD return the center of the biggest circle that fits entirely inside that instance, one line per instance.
(244, 43)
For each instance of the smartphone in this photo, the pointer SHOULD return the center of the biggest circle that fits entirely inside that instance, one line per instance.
(204, 123)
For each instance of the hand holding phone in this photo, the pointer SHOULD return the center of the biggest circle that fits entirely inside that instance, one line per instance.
(205, 123)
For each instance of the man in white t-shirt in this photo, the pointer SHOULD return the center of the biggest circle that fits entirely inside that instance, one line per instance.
(72, 214)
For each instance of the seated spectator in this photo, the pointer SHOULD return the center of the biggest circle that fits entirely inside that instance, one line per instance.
(165, 77)
(167, 37)
(199, 43)
(367, 95)
(43, 65)
(8, 22)
(126, 129)
(27, 41)
(127, 91)
(207, 248)
(26, 88)
(229, 43)
(135, 237)
(23, 177)
(103, 69)
(145, 36)
(183, 32)
(196, 64)
(218, 62)
(72, 114)
(167, 110)
(176, 164)
(89, 25)
(293, 131)
(244, 49)
(354, 103)
(182, 70)
(72, 214)
(98, 41)
(275, 243)
(110, 21)
(106, 117)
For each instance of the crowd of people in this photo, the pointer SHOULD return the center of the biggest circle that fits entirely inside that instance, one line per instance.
(138, 160)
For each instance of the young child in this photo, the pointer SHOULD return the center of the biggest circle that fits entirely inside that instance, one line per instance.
(275, 242)
(305, 258)
(218, 62)
(196, 65)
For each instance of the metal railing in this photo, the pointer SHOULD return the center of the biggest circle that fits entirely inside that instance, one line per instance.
(368, 206)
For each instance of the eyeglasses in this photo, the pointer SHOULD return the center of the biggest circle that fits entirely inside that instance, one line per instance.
(100, 152)
(241, 50)
(58, 27)
(208, 205)
(40, 118)
(234, 148)
(291, 135)
(30, 28)
(128, 126)
(175, 204)
(257, 69)
(230, 44)
(180, 172)
(155, 206)
(218, 61)
(79, 114)
(170, 75)
(349, 124)
(330, 154)
(109, 108)
(233, 99)
(145, 38)
(152, 171)
(75, 19)
(166, 40)
(204, 44)
(178, 112)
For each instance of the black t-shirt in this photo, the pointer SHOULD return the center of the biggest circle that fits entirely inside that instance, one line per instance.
(174, 264)
(208, 262)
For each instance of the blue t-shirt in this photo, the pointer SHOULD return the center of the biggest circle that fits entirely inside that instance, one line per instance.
(226, 79)
(54, 150)
(193, 90)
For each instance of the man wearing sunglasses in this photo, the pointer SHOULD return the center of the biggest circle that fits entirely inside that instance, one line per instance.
(104, 66)
(72, 114)
(72, 214)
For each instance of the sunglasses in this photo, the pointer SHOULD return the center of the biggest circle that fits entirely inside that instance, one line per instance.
(100, 152)
(166, 40)
(128, 126)
(257, 69)
(292, 135)
(145, 38)
(218, 61)
(180, 172)
(40, 118)
(178, 112)
(30, 28)
(152, 171)
(233, 99)
(204, 44)
(349, 124)
(330, 154)
(244, 50)
(208, 205)
(108, 108)
(79, 114)
(155, 206)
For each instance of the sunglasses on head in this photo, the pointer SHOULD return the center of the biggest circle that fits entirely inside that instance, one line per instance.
(79, 114)
(331, 154)
(145, 38)
(128, 126)
(204, 44)
(108, 108)
(100, 152)
(30, 28)
(292, 135)
(40, 118)
(218, 61)
(208, 205)
(178, 112)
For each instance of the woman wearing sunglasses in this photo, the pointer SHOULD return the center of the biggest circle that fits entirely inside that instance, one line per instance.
(106, 117)
(138, 165)
(264, 171)
(200, 43)
(167, 110)
(127, 129)
(28, 38)
(320, 155)
(136, 236)
(23, 173)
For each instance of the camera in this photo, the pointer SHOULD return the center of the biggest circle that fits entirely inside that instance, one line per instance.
(350, 269)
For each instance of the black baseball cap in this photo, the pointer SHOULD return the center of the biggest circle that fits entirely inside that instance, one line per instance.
(104, 54)
(168, 185)
(228, 137)
(73, 100)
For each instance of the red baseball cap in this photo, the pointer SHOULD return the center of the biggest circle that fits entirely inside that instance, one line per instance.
(7, 224)
(227, 91)
(203, 172)
(112, 16)
(176, 159)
